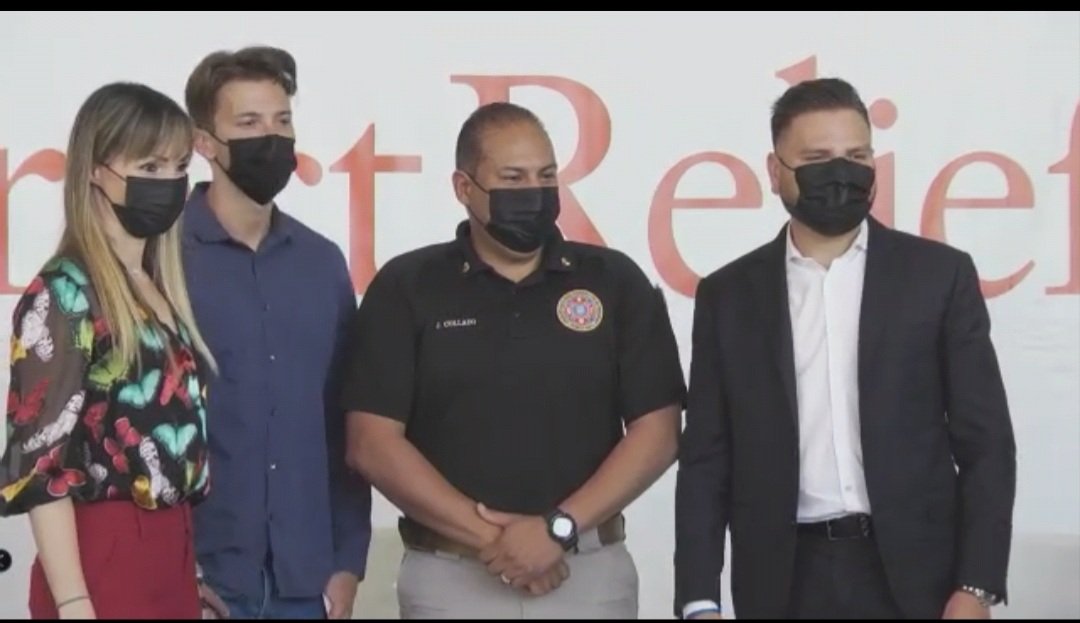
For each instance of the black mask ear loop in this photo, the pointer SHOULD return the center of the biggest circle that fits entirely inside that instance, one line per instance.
(482, 189)
(102, 190)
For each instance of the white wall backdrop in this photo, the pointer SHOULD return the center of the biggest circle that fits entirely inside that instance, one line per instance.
(977, 120)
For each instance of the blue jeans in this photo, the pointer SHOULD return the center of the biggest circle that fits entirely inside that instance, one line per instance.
(269, 605)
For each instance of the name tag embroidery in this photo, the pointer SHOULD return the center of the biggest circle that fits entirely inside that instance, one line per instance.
(455, 323)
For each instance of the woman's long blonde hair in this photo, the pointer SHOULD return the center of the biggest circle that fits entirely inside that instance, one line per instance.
(129, 121)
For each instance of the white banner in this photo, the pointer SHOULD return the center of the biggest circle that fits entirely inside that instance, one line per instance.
(661, 123)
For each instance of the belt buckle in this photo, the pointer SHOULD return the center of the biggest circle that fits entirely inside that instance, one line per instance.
(864, 529)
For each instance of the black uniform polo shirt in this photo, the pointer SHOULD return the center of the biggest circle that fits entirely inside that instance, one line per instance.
(516, 393)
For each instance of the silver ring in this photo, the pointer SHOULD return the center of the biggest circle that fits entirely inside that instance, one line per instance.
(505, 580)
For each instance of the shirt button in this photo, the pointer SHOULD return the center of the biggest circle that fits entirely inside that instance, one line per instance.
(266, 307)
(273, 466)
(517, 314)
(273, 357)
(849, 488)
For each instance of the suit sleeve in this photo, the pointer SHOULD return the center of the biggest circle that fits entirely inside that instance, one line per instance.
(703, 484)
(981, 435)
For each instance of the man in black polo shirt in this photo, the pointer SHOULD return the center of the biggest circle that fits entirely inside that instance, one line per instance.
(511, 392)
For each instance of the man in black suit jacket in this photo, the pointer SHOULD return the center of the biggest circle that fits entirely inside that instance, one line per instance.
(846, 418)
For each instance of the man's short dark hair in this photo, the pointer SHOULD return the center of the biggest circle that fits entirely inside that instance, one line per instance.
(470, 139)
(814, 96)
(221, 68)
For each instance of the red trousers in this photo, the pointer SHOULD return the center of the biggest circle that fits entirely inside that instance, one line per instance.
(137, 564)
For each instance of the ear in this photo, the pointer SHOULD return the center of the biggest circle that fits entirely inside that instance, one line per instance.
(106, 173)
(205, 145)
(772, 163)
(462, 185)
(97, 174)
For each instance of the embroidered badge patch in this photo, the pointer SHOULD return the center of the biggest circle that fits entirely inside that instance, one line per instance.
(580, 310)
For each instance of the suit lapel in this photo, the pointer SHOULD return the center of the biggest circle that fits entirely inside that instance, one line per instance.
(770, 285)
(880, 298)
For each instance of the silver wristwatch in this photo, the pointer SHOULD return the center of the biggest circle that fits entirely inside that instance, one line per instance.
(986, 598)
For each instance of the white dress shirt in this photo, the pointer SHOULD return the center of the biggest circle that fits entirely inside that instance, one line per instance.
(825, 307)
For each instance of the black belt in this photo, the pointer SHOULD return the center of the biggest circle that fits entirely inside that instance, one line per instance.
(842, 528)
(419, 537)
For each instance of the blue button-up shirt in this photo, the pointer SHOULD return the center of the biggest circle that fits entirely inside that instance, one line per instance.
(275, 320)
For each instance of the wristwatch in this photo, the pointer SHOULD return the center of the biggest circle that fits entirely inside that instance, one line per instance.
(986, 598)
(562, 529)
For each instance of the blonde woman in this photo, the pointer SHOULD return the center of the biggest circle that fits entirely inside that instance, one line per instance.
(107, 448)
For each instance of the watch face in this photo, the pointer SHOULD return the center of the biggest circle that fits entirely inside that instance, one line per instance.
(562, 527)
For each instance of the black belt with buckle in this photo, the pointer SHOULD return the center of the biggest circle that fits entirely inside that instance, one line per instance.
(839, 529)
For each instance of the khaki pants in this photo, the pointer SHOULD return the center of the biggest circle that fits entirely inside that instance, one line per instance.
(603, 584)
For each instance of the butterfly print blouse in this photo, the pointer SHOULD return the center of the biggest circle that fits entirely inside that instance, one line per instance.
(82, 424)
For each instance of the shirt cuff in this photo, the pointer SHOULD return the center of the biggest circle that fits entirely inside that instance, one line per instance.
(699, 607)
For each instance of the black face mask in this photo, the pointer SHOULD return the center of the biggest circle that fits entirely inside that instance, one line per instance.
(522, 219)
(260, 166)
(151, 206)
(834, 196)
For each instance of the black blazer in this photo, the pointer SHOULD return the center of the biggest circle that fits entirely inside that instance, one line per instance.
(938, 448)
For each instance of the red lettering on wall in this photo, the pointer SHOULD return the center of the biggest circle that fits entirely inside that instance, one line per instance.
(669, 262)
(361, 164)
(802, 71)
(1070, 168)
(47, 164)
(1018, 195)
(883, 116)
